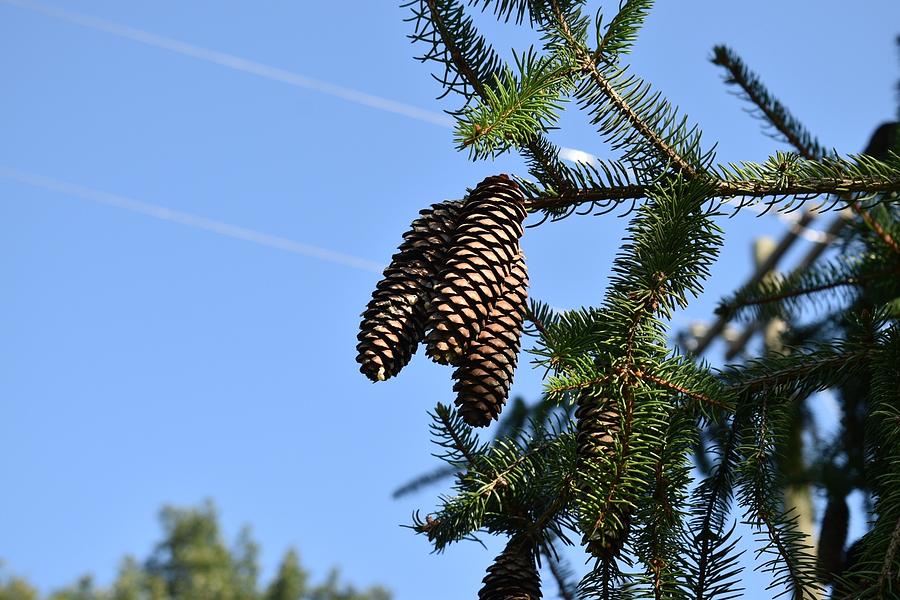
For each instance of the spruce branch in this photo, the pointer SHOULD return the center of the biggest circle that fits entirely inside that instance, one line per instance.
(540, 315)
(780, 296)
(792, 564)
(817, 371)
(876, 573)
(889, 574)
(451, 433)
(622, 31)
(505, 10)
(470, 64)
(625, 109)
(791, 130)
(781, 179)
(563, 576)
(516, 109)
(770, 109)
(679, 389)
(424, 480)
(617, 472)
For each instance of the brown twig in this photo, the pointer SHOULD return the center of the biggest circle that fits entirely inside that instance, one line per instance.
(849, 281)
(669, 385)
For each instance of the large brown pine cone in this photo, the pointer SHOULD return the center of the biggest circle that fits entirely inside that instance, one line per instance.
(393, 323)
(485, 374)
(598, 425)
(481, 254)
(513, 575)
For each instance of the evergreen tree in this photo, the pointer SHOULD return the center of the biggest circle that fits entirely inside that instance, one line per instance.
(606, 457)
(192, 562)
(291, 580)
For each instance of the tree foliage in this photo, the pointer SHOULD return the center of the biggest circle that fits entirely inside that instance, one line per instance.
(193, 562)
(606, 456)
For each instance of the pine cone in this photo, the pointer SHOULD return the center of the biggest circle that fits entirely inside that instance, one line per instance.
(598, 425)
(481, 253)
(513, 575)
(485, 375)
(393, 323)
(832, 538)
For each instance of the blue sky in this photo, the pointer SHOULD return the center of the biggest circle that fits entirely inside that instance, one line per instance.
(152, 357)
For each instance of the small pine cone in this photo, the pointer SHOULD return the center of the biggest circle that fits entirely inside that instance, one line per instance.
(513, 574)
(598, 425)
(832, 538)
(393, 323)
(486, 372)
(481, 254)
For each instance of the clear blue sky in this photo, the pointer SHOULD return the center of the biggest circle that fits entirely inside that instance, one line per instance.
(150, 357)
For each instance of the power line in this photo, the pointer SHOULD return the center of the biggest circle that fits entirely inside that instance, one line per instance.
(190, 220)
(236, 63)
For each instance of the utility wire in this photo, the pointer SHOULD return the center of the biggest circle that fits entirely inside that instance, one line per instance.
(236, 63)
(190, 220)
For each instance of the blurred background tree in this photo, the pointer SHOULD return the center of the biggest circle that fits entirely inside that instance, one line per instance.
(193, 562)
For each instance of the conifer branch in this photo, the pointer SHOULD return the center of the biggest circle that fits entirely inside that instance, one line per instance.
(536, 313)
(792, 566)
(669, 385)
(875, 226)
(563, 584)
(550, 164)
(622, 30)
(795, 373)
(792, 130)
(814, 184)
(587, 63)
(462, 447)
(625, 109)
(714, 559)
(618, 471)
(770, 109)
(785, 292)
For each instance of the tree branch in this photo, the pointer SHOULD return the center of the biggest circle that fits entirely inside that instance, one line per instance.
(534, 148)
(729, 309)
(588, 65)
(734, 189)
(669, 385)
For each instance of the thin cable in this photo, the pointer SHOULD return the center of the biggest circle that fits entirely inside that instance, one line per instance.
(236, 63)
(195, 221)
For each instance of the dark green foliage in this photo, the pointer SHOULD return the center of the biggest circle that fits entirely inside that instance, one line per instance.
(776, 118)
(192, 562)
(606, 458)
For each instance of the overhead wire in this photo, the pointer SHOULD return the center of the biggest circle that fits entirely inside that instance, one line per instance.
(190, 220)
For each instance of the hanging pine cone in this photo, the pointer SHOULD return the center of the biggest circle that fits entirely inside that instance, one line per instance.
(598, 425)
(513, 575)
(393, 323)
(482, 251)
(486, 372)
(832, 538)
